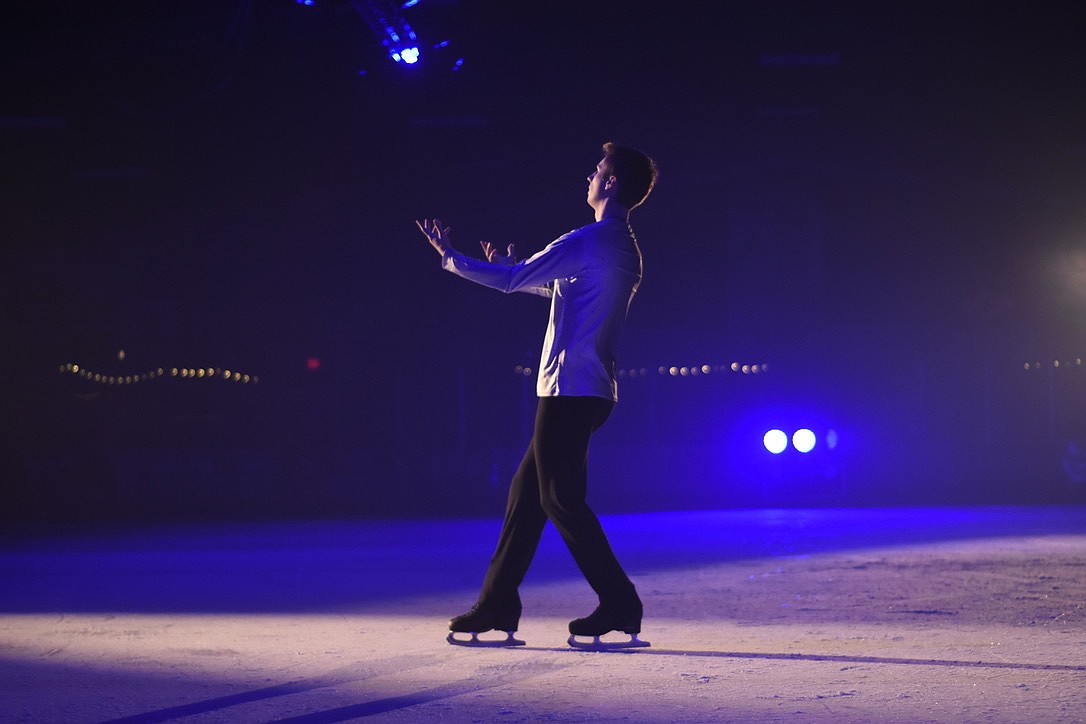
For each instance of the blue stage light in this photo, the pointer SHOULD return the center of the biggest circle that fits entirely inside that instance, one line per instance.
(803, 440)
(403, 45)
(395, 34)
(775, 441)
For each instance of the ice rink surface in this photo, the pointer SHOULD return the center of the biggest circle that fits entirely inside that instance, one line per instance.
(884, 615)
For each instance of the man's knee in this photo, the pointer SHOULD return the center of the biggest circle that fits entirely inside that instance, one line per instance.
(560, 498)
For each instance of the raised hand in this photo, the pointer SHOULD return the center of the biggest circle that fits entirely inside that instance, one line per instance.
(438, 236)
(492, 255)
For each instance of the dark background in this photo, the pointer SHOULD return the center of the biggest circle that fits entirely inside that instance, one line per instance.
(882, 202)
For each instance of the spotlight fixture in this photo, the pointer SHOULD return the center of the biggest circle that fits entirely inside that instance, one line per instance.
(803, 440)
(394, 33)
(775, 441)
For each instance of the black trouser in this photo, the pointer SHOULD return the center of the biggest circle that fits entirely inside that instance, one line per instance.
(551, 483)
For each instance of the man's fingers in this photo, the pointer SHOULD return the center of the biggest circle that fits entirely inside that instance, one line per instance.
(432, 229)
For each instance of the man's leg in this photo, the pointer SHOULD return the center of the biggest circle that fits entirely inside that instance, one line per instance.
(520, 533)
(564, 426)
(499, 603)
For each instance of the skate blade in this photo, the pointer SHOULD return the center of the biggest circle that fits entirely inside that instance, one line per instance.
(597, 645)
(510, 640)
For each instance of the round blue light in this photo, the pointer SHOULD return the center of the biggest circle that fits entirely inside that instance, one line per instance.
(803, 440)
(410, 55)
(775, 441)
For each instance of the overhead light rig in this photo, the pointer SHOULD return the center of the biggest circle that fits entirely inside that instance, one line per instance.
(387, 21)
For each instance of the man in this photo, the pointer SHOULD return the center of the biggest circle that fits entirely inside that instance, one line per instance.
(590, 275)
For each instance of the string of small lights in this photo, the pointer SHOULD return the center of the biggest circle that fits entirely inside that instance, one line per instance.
(676, 371)
(762, 368)
(1054, 364)
(183, 373)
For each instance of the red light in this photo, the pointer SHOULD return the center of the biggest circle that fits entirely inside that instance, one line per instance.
(313, 363)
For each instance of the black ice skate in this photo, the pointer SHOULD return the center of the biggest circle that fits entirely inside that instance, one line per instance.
(485, 617)
(603, 621)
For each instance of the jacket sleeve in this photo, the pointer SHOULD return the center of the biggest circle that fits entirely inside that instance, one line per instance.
(536, 274)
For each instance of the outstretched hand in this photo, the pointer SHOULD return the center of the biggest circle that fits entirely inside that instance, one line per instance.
(491, 253)
(438, 236)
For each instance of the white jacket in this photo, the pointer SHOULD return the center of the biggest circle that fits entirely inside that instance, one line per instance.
(590, 275)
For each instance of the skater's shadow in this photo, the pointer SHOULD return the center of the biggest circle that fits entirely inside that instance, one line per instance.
(348, 676)
(769, 656)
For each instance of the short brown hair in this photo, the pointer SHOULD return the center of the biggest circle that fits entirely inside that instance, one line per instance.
(636, 173)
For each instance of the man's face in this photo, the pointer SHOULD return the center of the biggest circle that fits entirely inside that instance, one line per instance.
(600, 183)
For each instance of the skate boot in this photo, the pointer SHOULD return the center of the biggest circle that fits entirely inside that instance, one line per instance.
(487, 616)
(604, 620)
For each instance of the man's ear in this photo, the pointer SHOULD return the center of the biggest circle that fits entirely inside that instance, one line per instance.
(611, 181)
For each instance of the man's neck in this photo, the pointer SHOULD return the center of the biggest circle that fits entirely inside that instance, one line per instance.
(611, 209)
